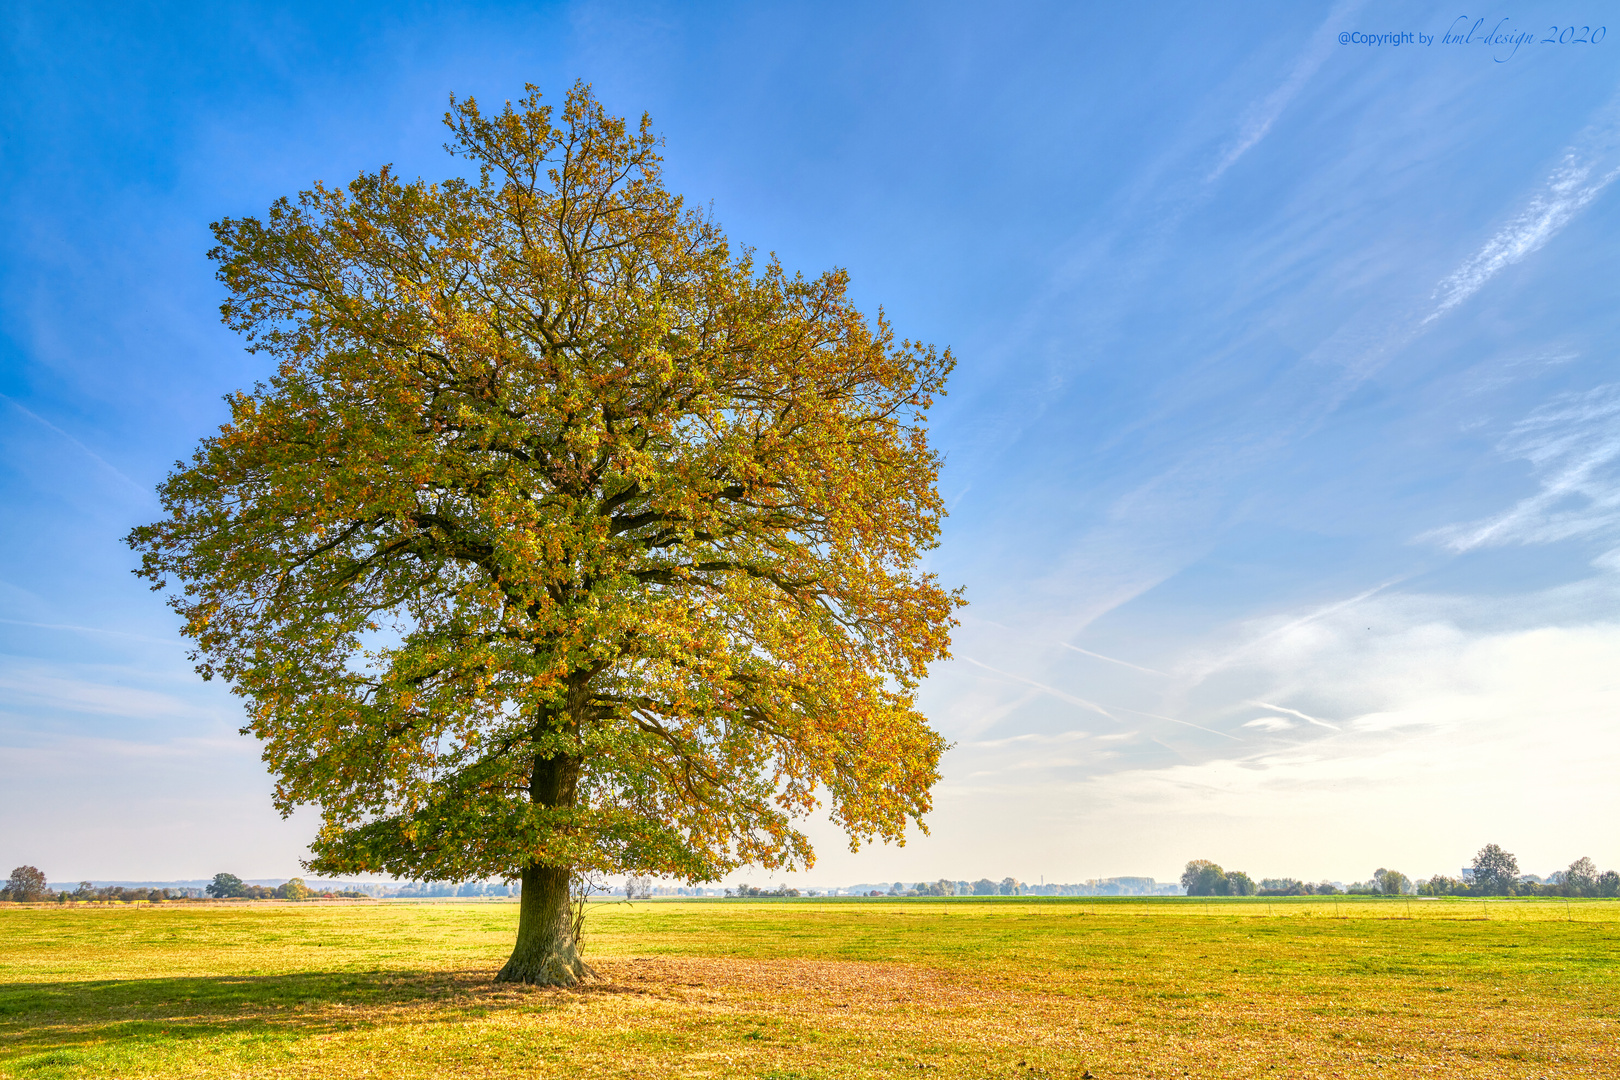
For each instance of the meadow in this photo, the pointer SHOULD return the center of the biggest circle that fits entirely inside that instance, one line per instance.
(831, 988)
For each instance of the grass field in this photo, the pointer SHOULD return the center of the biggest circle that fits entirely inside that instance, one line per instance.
(779, 989)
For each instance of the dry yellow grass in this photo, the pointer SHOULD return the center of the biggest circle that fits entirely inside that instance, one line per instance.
(830, 989)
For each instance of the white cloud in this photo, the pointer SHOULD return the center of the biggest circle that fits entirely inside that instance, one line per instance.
(1499, 737)
(1256, 123)
(1573, 444)
(100, 691)
(1296, 713)
(1417, 728)
(1585, 169)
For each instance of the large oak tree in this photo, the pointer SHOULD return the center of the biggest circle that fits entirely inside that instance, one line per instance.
(565, 537)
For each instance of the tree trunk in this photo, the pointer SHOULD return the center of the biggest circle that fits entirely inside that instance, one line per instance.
(546, 953)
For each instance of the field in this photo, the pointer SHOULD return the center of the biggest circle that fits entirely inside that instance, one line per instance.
(809, 989)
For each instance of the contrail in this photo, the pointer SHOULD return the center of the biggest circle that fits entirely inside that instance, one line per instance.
(1054, 691)
(1112, 660)
(97, 458)
(1184, 723)
(1093, 706)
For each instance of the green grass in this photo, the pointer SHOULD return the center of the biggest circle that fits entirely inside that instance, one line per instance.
(813, 989)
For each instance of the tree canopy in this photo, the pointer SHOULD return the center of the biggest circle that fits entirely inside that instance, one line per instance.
(564, 537)
(225, 886)
(1204, 878)
(1495, 870)
(26, 884)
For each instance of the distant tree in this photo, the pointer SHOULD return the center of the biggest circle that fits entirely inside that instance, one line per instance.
(1581, 878)
(1496, 872)
(984, 887)
(226, 885)
(1608, 883)
(1325, 888)
(1010, 887)
(1441, 885)
(1239, 884)
(294, 890)
(1392, 882)
(27, 885)
(1203, 878)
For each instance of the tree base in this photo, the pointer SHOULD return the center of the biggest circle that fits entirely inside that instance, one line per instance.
(546, 953)
(555, 968)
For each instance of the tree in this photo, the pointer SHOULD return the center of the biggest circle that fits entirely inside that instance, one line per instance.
(1010, 887)
(226, 885)
(294, 889)
(1581, 878)
(1608, 883)
(1203, 878)
(1496, 872)
(1239, 884)
(984, 887)
(1392, 882)
(563, 538)
(1441, 885)
(27, 885)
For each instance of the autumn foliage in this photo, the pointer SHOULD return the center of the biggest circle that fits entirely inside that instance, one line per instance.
(564, 536)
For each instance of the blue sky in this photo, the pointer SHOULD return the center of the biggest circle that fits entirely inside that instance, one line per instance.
(1283, 449)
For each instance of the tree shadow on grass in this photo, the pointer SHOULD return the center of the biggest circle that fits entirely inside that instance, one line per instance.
(50, 1026)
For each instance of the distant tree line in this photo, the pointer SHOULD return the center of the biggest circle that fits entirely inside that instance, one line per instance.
(1494, 872)
(1124, 886)
(466, 889)
(231, 887)
(741, 892)
(27, 886)
(1382, 883)
(1008, 886)
(122, 894)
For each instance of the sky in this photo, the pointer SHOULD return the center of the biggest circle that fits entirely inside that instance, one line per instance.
(1282, 453)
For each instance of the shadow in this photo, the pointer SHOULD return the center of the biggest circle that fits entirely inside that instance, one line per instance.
(41, 1021)
(45, 1017)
